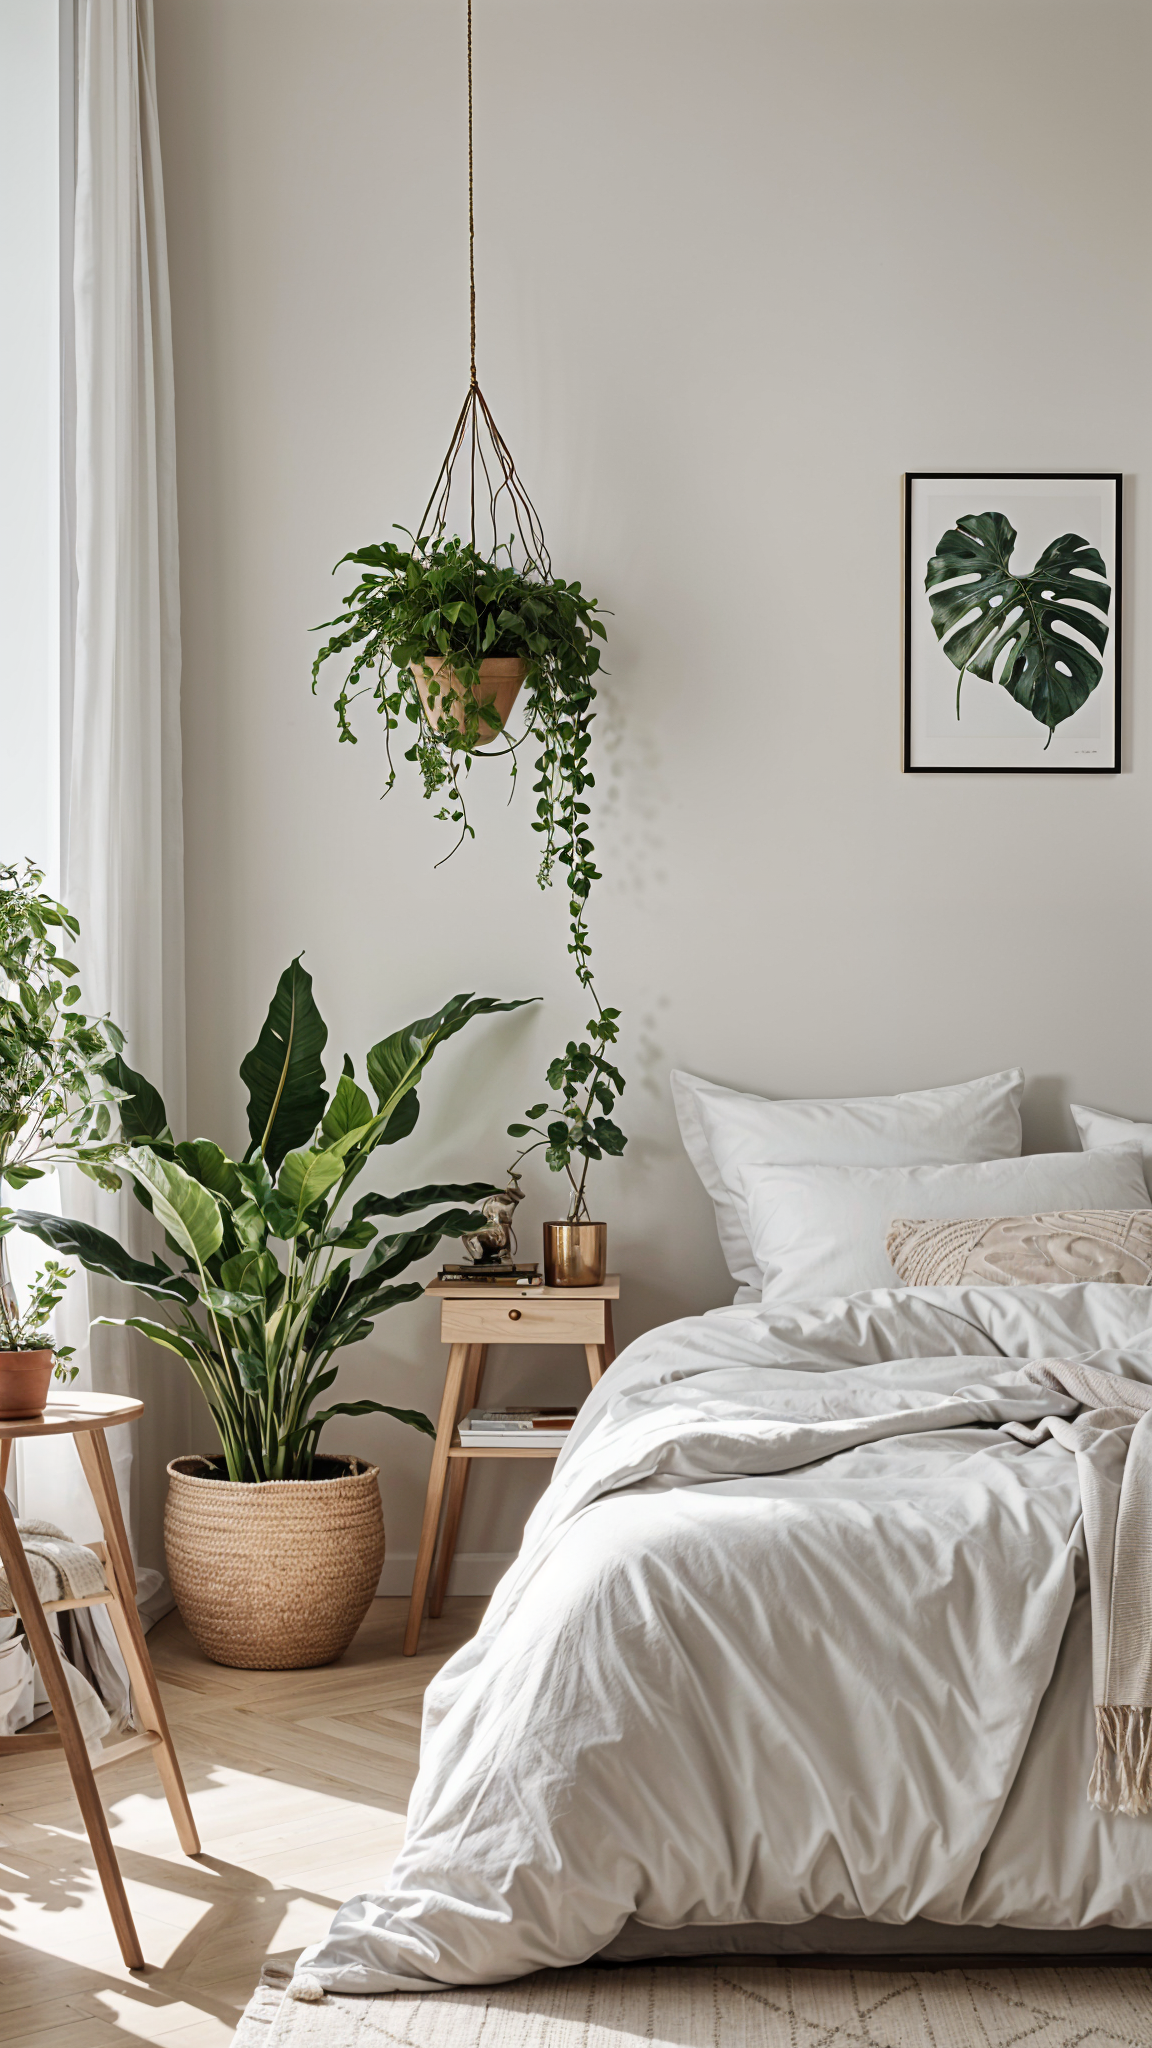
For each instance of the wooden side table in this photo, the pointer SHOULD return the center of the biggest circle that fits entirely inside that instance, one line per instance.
(472, 1318)
(86, 1417)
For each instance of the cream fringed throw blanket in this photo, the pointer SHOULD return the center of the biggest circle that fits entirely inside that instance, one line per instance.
(1112, 1441)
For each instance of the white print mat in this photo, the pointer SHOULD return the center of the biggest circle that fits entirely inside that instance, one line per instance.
(729, 2005)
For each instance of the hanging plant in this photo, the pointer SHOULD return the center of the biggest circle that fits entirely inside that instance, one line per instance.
(444, 635)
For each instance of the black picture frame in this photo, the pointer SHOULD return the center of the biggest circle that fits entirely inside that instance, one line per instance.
(914, 590)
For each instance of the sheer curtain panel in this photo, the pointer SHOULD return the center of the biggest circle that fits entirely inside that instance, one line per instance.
(122, 831)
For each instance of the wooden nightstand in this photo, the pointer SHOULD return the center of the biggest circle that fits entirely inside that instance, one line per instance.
(472, 1318)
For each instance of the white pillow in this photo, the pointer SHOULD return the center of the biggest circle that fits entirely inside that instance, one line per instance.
(820, 1230)
(725, 1132)
(1099, 1129)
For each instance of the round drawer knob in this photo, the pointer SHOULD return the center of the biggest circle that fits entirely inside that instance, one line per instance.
(514, 1315)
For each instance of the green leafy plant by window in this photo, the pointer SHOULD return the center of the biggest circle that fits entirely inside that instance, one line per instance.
(445, 597)
(263, 1291)
(1015, 628)
(57, 1084)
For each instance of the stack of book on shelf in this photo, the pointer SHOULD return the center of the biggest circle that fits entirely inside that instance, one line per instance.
(492, 1276)
(545, 1429)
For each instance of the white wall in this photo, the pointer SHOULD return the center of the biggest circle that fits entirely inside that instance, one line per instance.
(739, 267)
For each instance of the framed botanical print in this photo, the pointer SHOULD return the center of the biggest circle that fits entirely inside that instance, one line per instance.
(1012, 623)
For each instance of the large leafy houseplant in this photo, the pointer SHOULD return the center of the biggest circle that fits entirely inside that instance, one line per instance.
(443, 596)
(262, 1293)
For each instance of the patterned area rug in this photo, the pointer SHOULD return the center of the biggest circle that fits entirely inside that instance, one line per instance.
(731, 2005)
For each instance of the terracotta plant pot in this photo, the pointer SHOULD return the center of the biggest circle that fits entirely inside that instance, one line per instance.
(575, 1254)
(276, 1576)
(500, 679)
(25, 1377)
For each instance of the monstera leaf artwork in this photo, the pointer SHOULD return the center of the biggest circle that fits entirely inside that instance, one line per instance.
(1024, 629)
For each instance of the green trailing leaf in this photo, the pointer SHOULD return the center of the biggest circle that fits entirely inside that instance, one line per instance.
(99, 1253)
(413, 1418)
(186, 1211)
(157, 1333)
(423, 1198)
(397, 1062)
(1016, 628)
(284, 1072)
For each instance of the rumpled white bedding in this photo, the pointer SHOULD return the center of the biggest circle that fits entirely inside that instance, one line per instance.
(780, 1642)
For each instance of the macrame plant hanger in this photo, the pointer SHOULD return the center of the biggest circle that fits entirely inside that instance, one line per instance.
(491, 468)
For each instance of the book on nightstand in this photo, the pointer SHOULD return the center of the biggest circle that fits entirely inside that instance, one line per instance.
(492, 1276)
(492, 1427)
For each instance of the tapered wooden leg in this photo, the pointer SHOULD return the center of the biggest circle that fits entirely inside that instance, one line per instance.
(609, 1345)
(125, 1618)
(458, 1470)
(449, 1409)
(42, 1644)
(5, 1457)
(594, 1353)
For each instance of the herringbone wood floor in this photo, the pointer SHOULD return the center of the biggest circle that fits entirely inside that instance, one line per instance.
(299, 1781)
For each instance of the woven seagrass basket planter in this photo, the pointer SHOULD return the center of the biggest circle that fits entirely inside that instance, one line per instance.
(277, 1576)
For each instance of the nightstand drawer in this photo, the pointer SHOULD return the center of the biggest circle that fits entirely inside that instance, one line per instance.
(522, 1322)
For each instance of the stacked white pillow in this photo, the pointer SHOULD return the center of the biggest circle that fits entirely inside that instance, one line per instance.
(726, 1135)
(821, 1230)
(805, 1192)
(1100, 1130)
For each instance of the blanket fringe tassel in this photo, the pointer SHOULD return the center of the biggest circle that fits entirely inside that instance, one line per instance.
(307, 1988)
(1121, 1780)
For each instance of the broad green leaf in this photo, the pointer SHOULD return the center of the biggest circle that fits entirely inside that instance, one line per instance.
(423, 1198)
(348, 1111)
(396, 1063)
(284, 1072)
(142, 1112)
(412, 1417)
(1013, 627)
(228, 1301)
(353, 1236)
(253, 1371)
(250, 1269)
(307, 1176)
(157, 1333)
(101, 1254)
(185, 1210)
(206, 1163)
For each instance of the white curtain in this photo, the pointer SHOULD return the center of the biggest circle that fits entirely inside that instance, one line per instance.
(122, 830)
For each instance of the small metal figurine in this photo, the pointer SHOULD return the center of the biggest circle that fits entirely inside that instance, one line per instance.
(496, 1245)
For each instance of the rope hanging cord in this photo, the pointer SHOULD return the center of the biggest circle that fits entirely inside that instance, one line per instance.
(490, 457)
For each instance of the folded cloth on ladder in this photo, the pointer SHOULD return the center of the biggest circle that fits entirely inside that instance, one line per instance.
(61, 1569)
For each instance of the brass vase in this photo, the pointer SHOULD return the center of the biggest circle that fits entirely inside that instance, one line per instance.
(575, 1254)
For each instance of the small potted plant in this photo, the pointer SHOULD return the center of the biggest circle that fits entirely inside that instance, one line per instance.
(28, 1355)
(275, 1547)
(580, 1129)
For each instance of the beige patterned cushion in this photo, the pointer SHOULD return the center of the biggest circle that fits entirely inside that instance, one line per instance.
(1026, 1251)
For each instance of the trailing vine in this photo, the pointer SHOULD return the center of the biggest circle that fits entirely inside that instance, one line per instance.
(445, 597)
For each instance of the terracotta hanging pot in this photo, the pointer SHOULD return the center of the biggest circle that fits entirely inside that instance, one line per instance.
(501, 677)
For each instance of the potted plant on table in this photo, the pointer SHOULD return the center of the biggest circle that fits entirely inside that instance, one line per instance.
(28, 1355)
(274, 1547)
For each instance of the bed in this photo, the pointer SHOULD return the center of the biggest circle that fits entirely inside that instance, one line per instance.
(796, 1657)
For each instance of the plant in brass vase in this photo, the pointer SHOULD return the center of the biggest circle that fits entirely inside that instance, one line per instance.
(262, 1292)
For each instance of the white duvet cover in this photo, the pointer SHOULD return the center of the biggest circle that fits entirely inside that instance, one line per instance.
(780, 1642)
